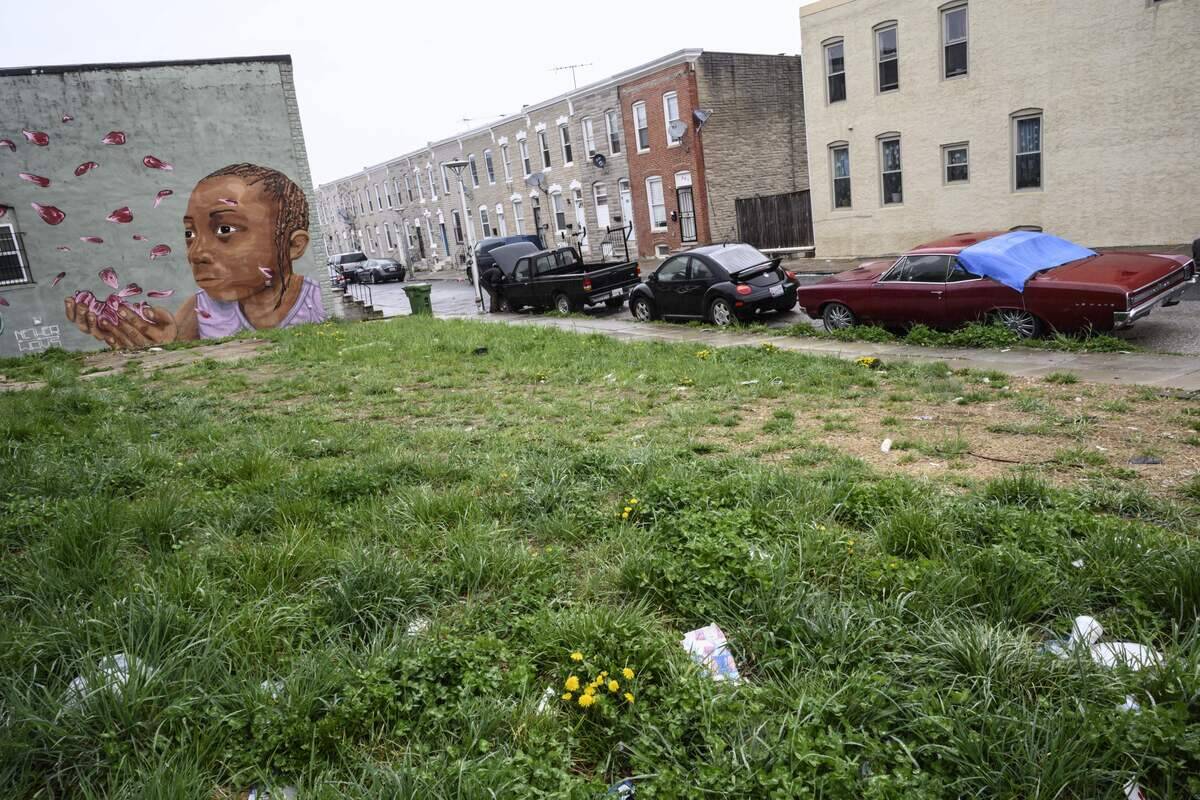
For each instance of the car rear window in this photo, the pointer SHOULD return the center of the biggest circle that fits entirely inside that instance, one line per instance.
(737, 256)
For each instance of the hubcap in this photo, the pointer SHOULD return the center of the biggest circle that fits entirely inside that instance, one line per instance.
(720, 313)
(1019, 322)
(564, 306)
(642, 310)
(838, 317)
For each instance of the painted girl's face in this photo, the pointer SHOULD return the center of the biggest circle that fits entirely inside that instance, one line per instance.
(230, 234)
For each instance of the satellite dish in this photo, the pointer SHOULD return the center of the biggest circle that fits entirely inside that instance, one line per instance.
(535, 180)
(599, 160)
(677, 129)
(701, 117)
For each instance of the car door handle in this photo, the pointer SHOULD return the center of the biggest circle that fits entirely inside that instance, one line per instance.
(936, 292)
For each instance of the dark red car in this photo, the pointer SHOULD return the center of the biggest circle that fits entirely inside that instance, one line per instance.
(932, 286)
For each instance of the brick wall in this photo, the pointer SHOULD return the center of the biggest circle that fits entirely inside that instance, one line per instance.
(754, 142)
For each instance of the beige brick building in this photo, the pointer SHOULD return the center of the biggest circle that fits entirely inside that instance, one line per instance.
(926, 118)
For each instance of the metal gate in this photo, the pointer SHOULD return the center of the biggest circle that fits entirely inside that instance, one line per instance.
(687, 214)
(775, 221)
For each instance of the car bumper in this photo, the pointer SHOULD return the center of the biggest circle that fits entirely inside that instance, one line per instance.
(611, 293)
(1124, 319)
(764, 302)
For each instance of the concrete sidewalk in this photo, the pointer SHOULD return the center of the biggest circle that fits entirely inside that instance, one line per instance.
(1133, 369)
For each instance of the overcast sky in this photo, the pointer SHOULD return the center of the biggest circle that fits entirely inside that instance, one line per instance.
(379, 79)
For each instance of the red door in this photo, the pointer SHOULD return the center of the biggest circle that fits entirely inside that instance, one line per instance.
(911, 292)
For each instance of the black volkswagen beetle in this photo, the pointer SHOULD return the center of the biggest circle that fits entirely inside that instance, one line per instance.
(720, 283)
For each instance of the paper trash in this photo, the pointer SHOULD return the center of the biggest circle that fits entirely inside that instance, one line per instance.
(708, 648)
(1086, 633)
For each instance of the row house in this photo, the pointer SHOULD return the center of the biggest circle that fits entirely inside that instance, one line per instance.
(618, 163)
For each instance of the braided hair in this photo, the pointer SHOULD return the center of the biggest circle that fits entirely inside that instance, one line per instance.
(291, 210)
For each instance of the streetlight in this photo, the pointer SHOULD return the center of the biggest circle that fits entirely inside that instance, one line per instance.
(458, 167)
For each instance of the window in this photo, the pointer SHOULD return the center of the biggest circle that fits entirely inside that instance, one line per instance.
(474, 170)
(889, 166)
(470, 225)
(919, 269)
(524, 145)
(840, 155)
(500, 220)
(954, 41)
(378, 202)
(14, 268)
(387, 229)
(700, 271)
(420, 191)
(560, 211)
(956, 163)
(835, 71)
(613, 124)
(432, 185)
(959, 273)
(506, 161)
(564, 135)
(370, 206)
(662, 250)
(458, 228)
(408, 188)
(589, 137)
(654, 199)
(1028, 133)
(487, 165)
(888, 56)
(445, 180)
(518, 216)
(387, 191)
(674, 271)
(641, 127)
(671, 114)
(484, 223)
(545, 148)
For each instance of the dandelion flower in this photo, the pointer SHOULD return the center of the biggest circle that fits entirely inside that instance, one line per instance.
(586, 700)
(613, 686)
(628, 697)
(628, 509)
(633, 501)
(567, 696)
(625, 515)
(577, 656)
(572, 684)
(589, 691)
(628, 673)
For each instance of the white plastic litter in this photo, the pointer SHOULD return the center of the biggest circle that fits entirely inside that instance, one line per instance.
(114, 673)
(279, 793)
(886, 446)
(709, 649)
(273, 688)
(960, 400)
(1130, 705)
(923, 418)
(987, 380)
(1077, 563)
(1133, 791)
(546, 699)
(417, 626)
(1086, 633)
(749, 383)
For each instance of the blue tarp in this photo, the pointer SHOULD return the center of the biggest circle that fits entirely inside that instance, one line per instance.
(1013, 258)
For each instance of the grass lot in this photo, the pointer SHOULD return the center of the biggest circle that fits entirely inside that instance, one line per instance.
(299, 517)
(974, 334)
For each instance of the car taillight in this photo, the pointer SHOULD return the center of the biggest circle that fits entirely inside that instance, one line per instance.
(587, 284)
(743, 289)
(637, 270)
(791, 275)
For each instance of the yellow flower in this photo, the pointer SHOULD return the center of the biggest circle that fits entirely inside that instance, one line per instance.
(628, 673)
(577, 656)
(567, 696)
(633, 501)
(572, 684)
(586, 700)
(628, 697)
(625, 515)
(589, 691)
(603, 673)
(628, 509)
(613, 686)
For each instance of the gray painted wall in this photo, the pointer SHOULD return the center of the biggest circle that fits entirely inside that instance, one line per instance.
(198, 116)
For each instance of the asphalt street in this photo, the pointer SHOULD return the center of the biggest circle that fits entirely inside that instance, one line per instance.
(1167, 330)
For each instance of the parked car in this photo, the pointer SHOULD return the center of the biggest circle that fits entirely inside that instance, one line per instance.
(377, 270)
(559, 279)
(721, 283)
(1028, 281)
(340, 259)
(484, 248)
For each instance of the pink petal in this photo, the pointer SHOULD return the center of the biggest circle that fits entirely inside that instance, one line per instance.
(114, 137)
(84, 167)
(159, 250)
(132, 290)
(49, 214)
(38, 179)
(3, 211)
(63, 248)
(9, 143)
(109, 276)
(3, 302)
(140, 309)
(37, 137)
(268, 273)
(157, 294)
(67, 118)
(162, 195)
(156, 163)
(91, 239)
(227, 201)
(121, 216)
(203, 313)
(58, 278)
(137, 237)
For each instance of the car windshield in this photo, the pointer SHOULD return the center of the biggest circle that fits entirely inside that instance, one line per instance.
(737, 256)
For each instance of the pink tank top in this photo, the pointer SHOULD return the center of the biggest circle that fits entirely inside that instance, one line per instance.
(225, 318)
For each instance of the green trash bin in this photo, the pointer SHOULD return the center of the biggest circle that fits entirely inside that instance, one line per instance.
(418, 298)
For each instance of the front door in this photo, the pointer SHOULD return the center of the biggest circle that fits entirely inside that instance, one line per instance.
(687, 214)
(913, 291)
(600, 196)
(537, 218)
(627, 208)
(420, 241)
(581, 221)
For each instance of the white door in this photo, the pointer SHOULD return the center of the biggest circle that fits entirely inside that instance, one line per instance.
(581, 222)
(600, 196)
(627, 207)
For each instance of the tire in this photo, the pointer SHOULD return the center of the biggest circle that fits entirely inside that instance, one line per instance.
(720, 312)
(503, 306)
(642, 309)
(1024, 324)
(615, 302)
(374, 278)
(563, 304)
(837, 316)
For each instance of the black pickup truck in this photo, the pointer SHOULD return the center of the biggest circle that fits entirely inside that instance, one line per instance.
(559, 279)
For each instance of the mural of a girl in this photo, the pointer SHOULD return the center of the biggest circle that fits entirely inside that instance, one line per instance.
(245, 225)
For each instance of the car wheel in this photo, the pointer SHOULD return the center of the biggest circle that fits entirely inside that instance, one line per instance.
(1019, 321)
(837, 316)
(373, 278)
(503, 305)
(563, 304)
(721, 312)
(615, 302)
(642, 309)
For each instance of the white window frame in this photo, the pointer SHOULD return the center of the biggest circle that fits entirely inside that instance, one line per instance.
(946, 165)
(612, 124)
(518, 216)
(420, 190)
(564, 139)
(589, 136)
(474, 167)
(433, 195)
(489, 167)
(879, 29)
(485, 222)
(445, 179)
(668, 119)
(884, 171)
(387, 229)
(640, 125)
(827, 56)
(500, 222)
(506, 160)
(944, 16)
(408, 188)
(656, 181)
(1017, 119)
(378, 202)
(558, 206)
(544, 147)
(457, 226)
(22, 264)
(526, 164)
(834, 177)
(387, 192)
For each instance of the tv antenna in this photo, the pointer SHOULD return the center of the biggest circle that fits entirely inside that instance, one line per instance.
(572, 67)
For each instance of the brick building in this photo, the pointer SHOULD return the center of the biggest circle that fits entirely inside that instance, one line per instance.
(537, 170)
